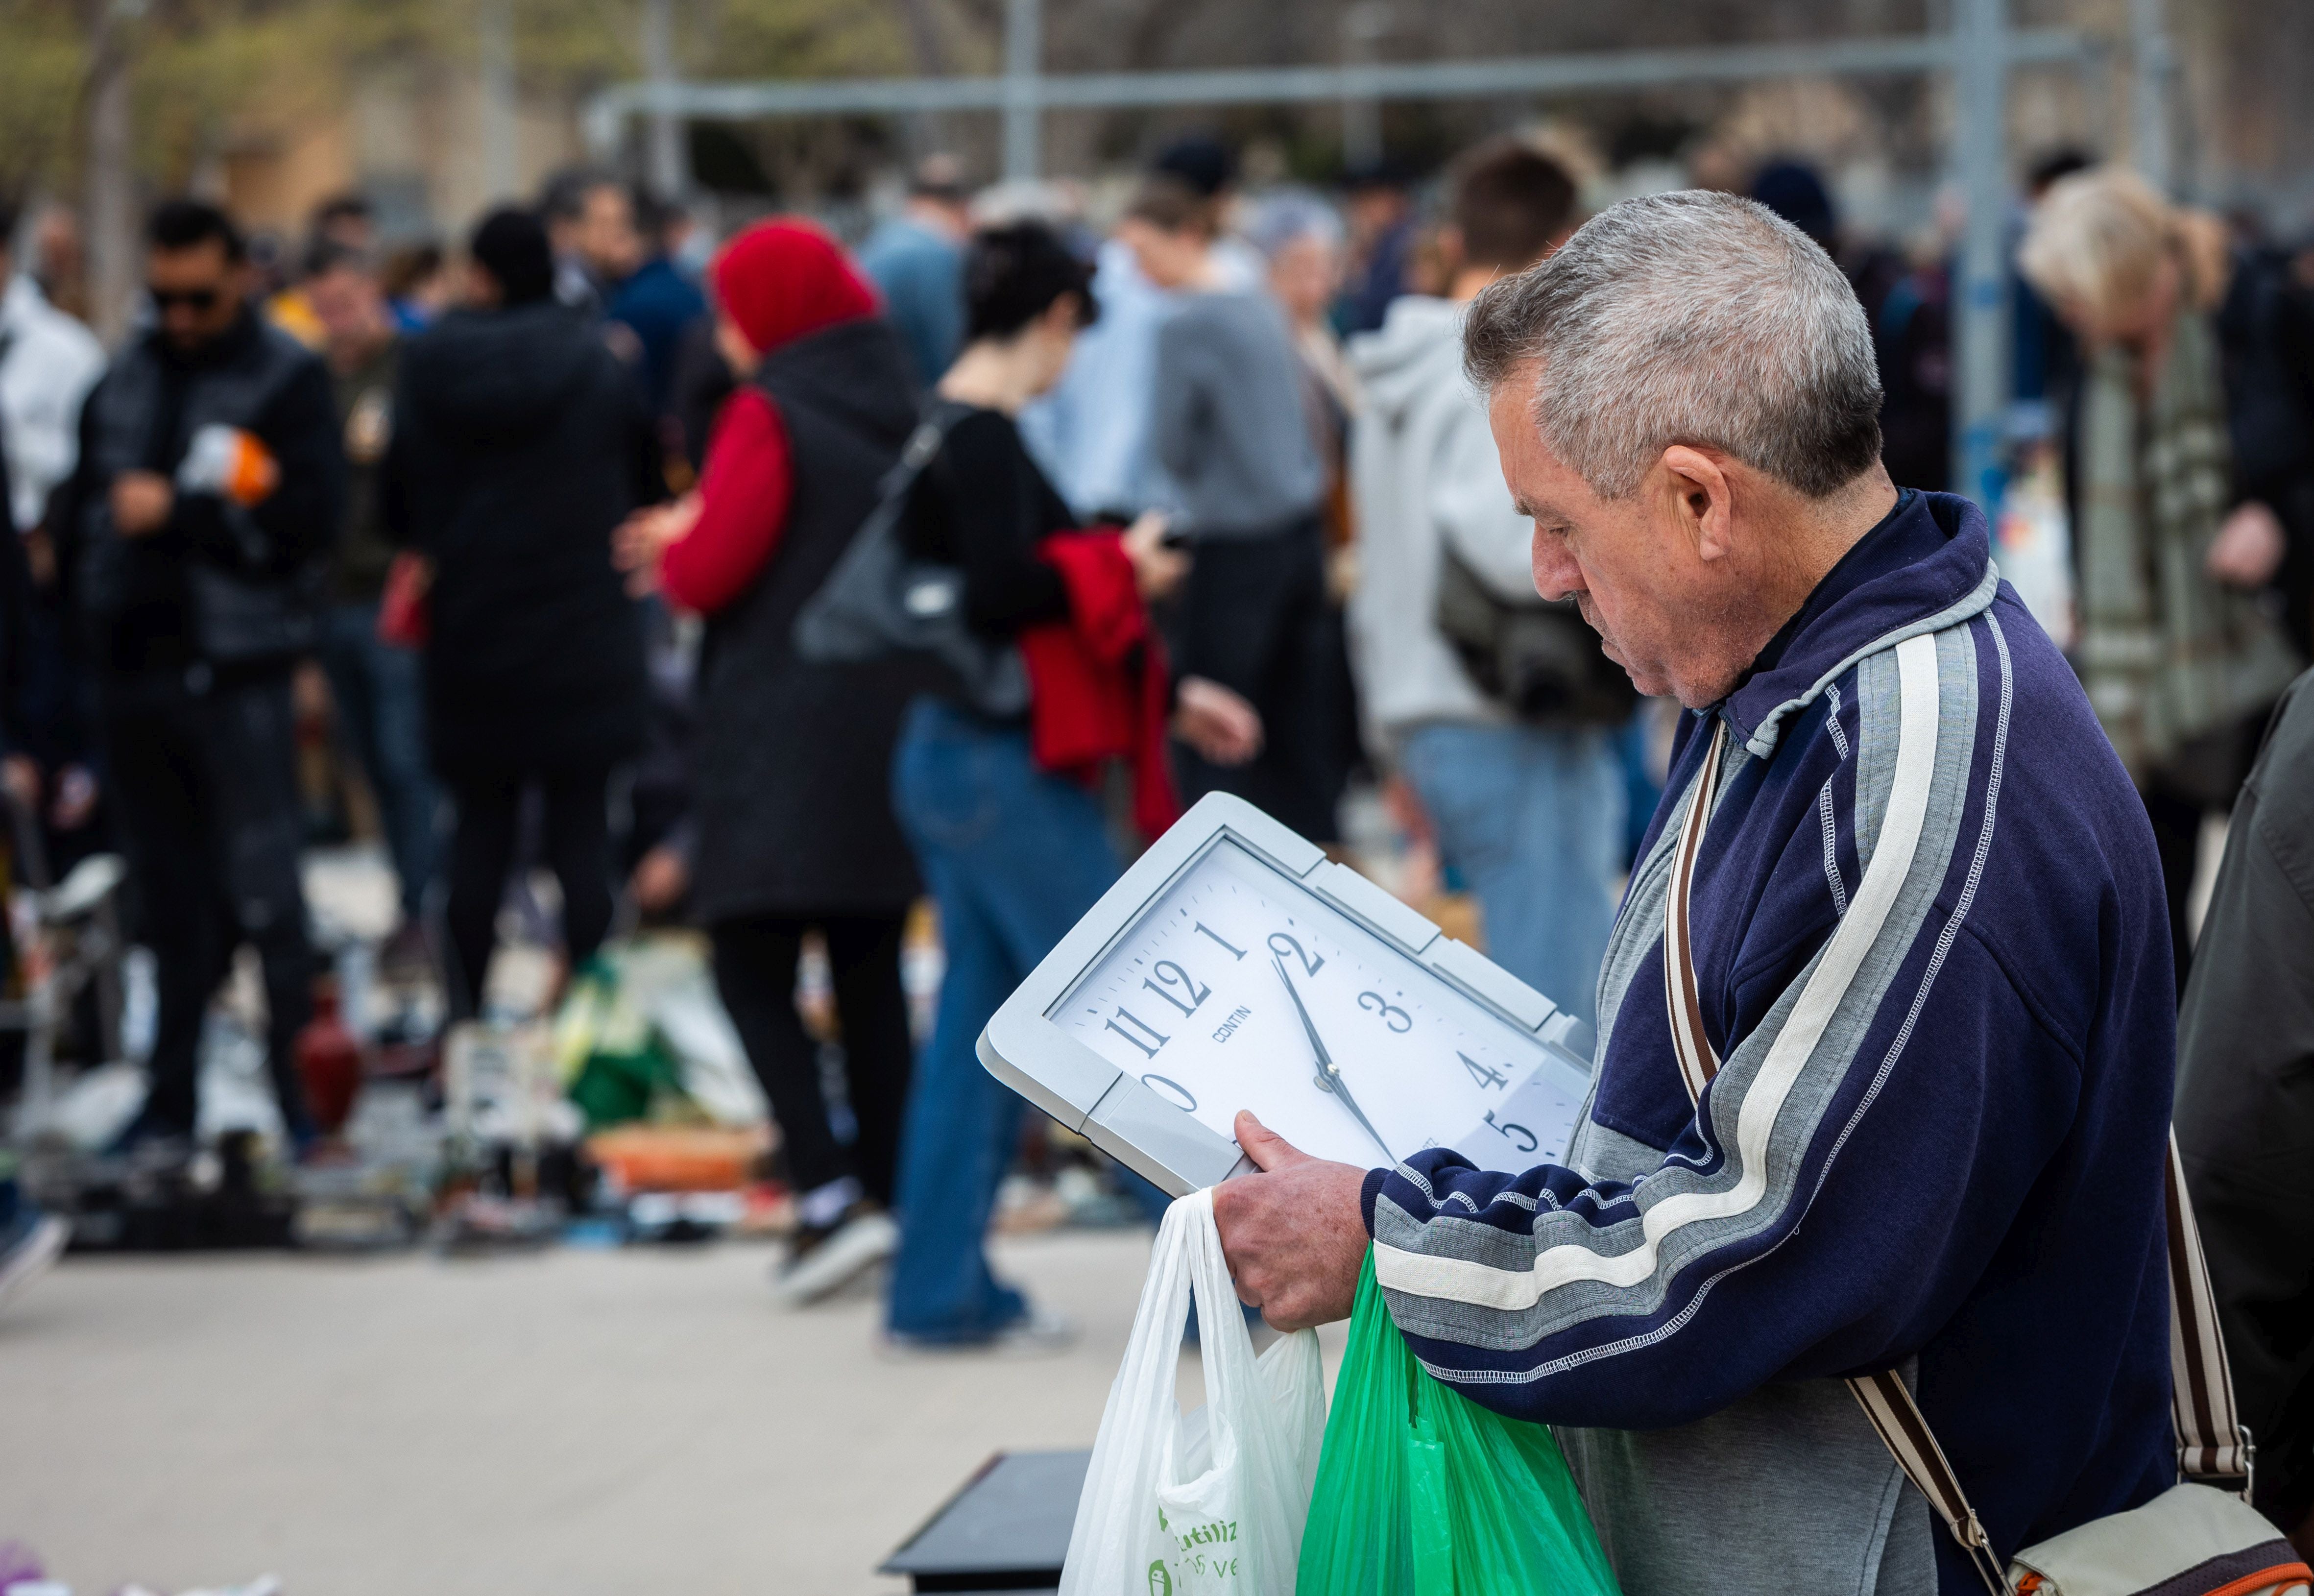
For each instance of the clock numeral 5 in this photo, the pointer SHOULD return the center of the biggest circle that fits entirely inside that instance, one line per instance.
(1397, 1019)
(1516, 1133)
(1177, 980)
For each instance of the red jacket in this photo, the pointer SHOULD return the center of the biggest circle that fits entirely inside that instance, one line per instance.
(1099, 688)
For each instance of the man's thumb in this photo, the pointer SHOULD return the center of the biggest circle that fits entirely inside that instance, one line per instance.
(1264, 1146)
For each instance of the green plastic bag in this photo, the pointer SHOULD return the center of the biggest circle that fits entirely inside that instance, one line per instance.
(1421, 1492)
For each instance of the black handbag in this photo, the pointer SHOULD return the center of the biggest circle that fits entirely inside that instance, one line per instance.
(881, 601)
(1538, 659)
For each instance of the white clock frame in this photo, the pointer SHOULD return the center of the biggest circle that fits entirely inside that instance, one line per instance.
(1118, 1114)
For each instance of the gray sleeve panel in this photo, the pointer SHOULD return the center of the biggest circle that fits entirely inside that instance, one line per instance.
(1878, 703)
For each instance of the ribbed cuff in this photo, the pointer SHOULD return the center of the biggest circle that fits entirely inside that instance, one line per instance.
(1367, 1193)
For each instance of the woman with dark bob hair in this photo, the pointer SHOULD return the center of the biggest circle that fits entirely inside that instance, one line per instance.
(1001, 811)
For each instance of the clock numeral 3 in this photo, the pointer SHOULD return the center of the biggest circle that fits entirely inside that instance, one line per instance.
(1176, 981)
(1140, 1026)
(1397, 1019)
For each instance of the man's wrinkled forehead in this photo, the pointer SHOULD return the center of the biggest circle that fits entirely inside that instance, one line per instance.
(1536, 478)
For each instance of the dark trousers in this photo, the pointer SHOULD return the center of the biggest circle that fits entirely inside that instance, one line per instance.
(755, 972)
(1254, 617)
(207, 790)
(2178, 838)
(575, 839)
(2202, 779)
(380, 696)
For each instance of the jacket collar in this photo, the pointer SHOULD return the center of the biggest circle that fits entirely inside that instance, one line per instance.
(235, 340)
(1928, 565)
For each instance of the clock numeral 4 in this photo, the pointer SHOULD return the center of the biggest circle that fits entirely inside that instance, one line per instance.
(1140, 1027)
(1486, 1075)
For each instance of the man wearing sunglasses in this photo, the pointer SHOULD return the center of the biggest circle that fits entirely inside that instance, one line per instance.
(210, 486)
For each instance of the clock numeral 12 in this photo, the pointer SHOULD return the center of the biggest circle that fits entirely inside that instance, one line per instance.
(1156, 1039)
(1177, 980)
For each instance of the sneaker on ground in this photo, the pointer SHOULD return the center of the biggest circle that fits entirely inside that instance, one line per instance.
(823, 1259)
(26, 1248)
(1038, 1331)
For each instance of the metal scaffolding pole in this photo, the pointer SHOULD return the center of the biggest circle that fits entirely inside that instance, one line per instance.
(2152, 71)
(108, 191)
(1024, 82)
(501, 163)
(1981, 377)
(668, 171)
(1364, 26)
(1586, 72)
(1979, 51)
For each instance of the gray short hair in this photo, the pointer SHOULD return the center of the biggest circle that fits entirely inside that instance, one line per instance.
(1690, 318)
(1285, 218)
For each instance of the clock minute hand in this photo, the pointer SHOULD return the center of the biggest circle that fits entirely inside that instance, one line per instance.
(1329, 1074)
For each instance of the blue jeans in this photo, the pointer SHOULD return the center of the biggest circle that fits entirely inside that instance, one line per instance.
(380, 703)
(1533, 820)
(1014, 857)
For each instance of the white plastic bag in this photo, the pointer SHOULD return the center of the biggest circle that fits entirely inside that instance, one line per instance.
(1211, 1502)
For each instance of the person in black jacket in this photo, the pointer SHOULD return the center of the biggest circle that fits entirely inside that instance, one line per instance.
(2245, 1110)
(520, 442)
(792, 762)
(2266, 337)
(209, 490)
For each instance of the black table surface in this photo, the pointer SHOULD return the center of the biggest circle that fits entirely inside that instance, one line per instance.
(1007, 1529)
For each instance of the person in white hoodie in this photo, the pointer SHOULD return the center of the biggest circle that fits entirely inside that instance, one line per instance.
(1523, 786)
(48, 363)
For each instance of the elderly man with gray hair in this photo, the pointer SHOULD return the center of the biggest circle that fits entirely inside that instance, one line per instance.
(1882, 1085)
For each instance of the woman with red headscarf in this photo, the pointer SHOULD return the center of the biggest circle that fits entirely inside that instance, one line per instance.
(795, 827)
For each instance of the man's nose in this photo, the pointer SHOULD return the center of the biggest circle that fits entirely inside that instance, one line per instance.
(1555, 574)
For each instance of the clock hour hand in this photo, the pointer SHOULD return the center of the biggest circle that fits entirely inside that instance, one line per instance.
(1329, 1074)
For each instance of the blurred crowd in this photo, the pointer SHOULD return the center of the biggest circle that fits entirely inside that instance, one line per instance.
(536, 520)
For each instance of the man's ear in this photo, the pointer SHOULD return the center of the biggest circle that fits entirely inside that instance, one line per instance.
(1702, 499)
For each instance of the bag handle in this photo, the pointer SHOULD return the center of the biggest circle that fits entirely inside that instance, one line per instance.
(2211, 1444)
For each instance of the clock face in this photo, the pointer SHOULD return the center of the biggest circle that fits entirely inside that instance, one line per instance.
(1239, 988)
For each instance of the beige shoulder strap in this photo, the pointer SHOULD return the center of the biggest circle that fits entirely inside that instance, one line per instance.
(2211, 1444)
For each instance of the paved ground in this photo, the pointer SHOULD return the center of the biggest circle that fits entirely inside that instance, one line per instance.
(569, 1422)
